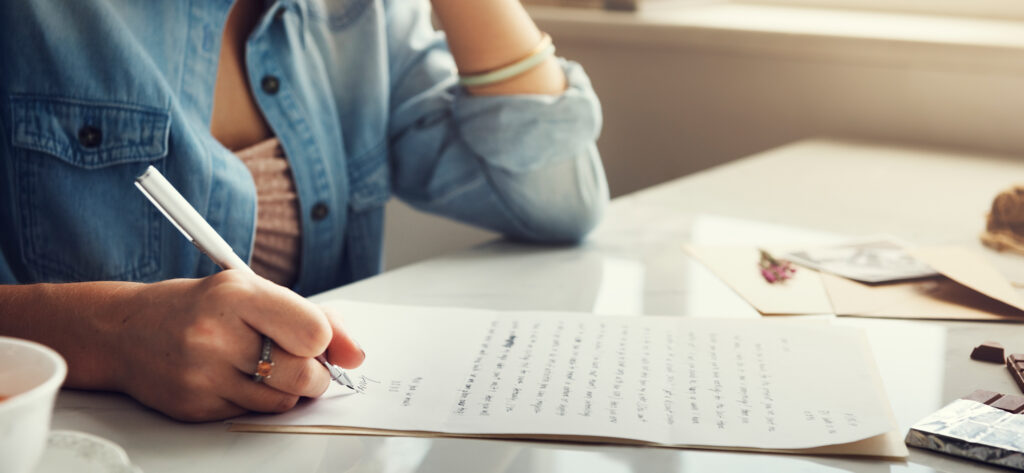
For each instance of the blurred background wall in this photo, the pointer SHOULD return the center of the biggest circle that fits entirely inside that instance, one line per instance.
(687, 88)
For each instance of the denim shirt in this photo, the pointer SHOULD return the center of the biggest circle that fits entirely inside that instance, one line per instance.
(361, 93)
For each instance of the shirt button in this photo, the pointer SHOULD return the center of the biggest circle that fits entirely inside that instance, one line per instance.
(90, 136)
(319, 211)
(270, 84)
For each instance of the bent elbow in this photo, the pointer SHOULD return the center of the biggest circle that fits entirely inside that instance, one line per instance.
(575, 224)
(568, 215)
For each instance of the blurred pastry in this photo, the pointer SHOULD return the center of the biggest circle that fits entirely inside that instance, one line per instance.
(1005, 228)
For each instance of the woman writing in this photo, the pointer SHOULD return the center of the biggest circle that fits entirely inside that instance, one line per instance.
(287, 124)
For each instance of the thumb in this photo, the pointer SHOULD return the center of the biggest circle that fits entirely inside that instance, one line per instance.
(343, 350)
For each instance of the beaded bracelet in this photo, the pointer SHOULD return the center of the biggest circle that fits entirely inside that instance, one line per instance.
(539, 54)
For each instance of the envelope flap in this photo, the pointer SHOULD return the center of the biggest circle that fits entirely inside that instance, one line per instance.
(970, 268)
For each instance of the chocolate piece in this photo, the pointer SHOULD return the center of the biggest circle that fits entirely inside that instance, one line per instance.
(1010, 403)
(991, 352)
(1015, 364)
(982, 396)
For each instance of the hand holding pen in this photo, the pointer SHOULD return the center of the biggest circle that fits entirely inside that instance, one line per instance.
(221, 328)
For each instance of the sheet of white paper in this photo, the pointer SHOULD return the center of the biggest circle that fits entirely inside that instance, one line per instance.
(666, 380)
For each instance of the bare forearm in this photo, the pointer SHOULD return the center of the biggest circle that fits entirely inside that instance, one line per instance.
(185, 347)
(78, 320)
(484, 35)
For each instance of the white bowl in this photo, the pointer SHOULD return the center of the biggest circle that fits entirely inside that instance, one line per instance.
(30, 375)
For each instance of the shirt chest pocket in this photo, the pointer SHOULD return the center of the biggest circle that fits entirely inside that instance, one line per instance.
(81, 217)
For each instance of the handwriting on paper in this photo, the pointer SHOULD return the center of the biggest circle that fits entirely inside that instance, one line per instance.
(628, 373)
(664, 380)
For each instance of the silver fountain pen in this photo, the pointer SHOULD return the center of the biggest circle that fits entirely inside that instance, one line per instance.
(197, 230)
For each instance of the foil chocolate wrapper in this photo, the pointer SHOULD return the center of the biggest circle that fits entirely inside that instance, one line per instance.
(973, 430)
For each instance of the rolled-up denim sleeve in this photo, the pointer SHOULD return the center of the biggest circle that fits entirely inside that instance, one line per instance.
(523, 165)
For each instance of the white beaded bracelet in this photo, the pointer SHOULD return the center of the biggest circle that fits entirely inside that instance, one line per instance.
(539, 54)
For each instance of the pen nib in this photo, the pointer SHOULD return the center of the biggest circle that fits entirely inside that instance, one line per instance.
(340, 377)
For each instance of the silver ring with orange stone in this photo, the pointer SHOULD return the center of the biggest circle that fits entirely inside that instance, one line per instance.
(264, 365)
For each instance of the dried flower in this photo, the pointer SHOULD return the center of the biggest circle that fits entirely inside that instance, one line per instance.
(775, 270)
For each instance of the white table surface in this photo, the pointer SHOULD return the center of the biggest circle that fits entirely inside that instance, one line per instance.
(634, 264)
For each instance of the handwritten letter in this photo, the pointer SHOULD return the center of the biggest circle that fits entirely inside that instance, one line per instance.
(663, 380)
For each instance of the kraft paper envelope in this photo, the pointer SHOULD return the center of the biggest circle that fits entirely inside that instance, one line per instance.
(970, 268)
(971, 289)
(737, 266)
